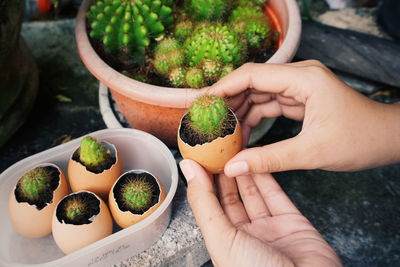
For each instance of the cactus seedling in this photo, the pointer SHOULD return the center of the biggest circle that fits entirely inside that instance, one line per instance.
(36, 186)
(137, 192)
(195, 78)
(208, 117)
(78, 208)
(93, 154)
(129, 26)
(168, 55)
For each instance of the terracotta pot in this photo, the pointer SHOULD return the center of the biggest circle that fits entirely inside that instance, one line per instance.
(158, 110)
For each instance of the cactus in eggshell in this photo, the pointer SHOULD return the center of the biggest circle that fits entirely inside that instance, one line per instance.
(137, 194)
(208, 116)
(129, 26)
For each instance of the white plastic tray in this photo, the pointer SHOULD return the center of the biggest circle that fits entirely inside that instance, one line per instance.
(139, 150)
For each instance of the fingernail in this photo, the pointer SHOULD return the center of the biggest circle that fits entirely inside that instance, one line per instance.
(187, 169)
(237, 168)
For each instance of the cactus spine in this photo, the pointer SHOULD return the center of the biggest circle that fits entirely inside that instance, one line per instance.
(93, 153)
(34, 182)
(208, 116)
(129, 26)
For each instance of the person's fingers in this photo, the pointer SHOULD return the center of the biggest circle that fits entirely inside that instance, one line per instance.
(275, 198)
(252, 199)
(271, 78)
(230, 200)
(210, 217)
(250, 101)
(294, 153)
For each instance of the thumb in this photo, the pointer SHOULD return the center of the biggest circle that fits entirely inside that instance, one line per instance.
(210, 217)
(290, 154)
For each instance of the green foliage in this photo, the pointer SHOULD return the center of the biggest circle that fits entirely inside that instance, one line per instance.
(137, 194)
(203, 10)
(129, 26)
(208, 115)
(93, 153)
(34, 182)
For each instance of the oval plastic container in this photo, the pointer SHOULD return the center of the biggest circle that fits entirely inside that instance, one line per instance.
(138, 150)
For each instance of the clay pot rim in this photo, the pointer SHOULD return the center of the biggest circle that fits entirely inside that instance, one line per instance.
(168, 96)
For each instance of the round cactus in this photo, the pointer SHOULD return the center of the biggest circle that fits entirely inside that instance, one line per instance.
(177, 77)
(93, 153)
(208, 9)
(195, 78)
(252, 23)
(211, 69)
(137, 194)
(183, 29)
(207, 116)
(75, 208)
(226, 69)
(216, 42)
(34, 183)
(168, 55)
(129, 26)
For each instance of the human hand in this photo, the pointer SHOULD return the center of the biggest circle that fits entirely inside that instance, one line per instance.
(252, 222)
(342, 129)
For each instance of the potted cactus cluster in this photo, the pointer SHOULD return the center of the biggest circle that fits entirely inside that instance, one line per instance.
(154, 55)
(190, 43)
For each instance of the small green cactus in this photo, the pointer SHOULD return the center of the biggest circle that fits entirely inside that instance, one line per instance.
(177, 77)
(208, 9)
(216, 42)
(208, 115)
(75, 208)
(211, 69)
(252, 23)
(226, 69)
(93, 153)
(168, 55)
(183, 29)
(129, 26)
(137, 194)
(195, 78)
(34, 183)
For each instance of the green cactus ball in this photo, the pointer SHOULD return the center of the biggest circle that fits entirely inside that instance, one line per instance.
(208, 9)
(137, 194)
(207, 116)
(168, 55)
(93, 153)
(34, 183)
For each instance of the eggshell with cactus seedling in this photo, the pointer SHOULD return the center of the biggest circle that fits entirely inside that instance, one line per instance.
(209, 133)
(34, 198)
(96, 172)
(135, 196)
(80, 219)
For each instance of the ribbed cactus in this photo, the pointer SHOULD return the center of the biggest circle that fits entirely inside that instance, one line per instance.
(34, 183)
(252, 23)
(216, 42)
(194, 78)
(168, 55)
(137, 194)
(208, 116)
(208, 9)
(178, 77)
(93, 153)
(129, 26)
(183, 29)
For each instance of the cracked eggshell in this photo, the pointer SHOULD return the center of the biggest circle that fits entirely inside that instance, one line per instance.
(213, 155)
(71, 237)
(80, 178)
(30, 222)
(126, 218)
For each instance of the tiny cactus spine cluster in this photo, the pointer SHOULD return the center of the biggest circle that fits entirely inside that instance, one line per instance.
(129, 26)
(137, 194)
(208, 116)
(34, 182)
(93, 153)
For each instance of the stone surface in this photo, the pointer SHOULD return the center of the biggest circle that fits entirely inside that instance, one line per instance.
(357, 212)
